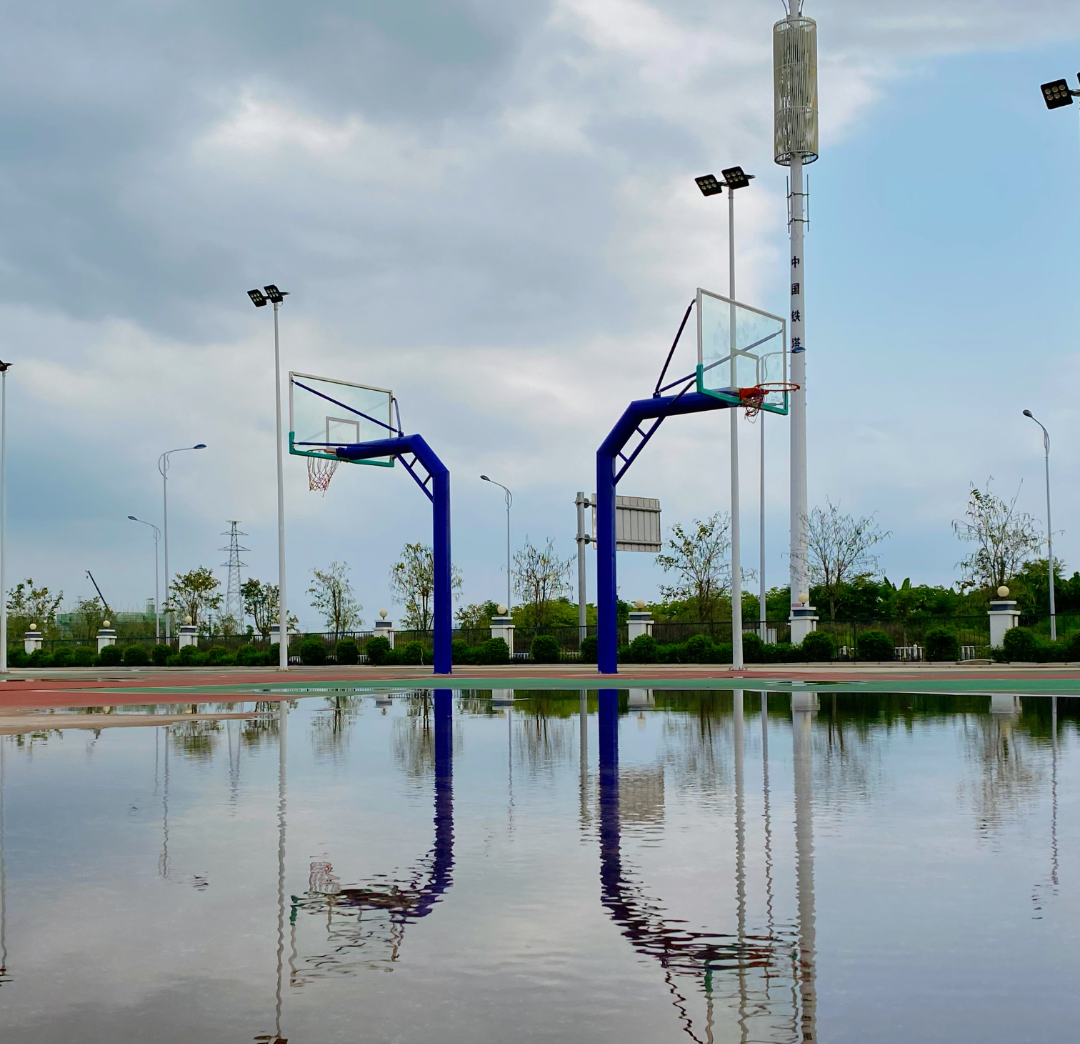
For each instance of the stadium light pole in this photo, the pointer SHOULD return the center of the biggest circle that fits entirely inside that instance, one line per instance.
(3, 517)
(163, 468)
(509, 498)
(157, 590)
(734, 178)
(1049, 527)
(259, 299)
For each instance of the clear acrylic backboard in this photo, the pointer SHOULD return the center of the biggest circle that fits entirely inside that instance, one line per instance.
(326, 413)
(757, 355)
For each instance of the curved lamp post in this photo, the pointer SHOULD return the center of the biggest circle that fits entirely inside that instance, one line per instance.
(1049, 527)
(163, 468)
(509, 498)
(157, 590)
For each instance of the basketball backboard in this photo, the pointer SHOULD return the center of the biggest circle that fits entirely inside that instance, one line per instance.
(326, 413)
(756, 355)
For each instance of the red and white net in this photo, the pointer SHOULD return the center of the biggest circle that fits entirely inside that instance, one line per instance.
(752, 399)
(320, 470)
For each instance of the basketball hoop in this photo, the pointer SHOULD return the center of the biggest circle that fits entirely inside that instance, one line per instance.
(752, 399)
(320, 470)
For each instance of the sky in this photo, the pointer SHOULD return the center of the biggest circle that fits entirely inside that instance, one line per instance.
(490, 209)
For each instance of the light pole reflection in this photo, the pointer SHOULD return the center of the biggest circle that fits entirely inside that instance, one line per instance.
(803, 706)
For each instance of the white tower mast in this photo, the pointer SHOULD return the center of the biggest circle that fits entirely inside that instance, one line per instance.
(795, 140)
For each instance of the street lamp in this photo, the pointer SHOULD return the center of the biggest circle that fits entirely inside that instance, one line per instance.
(259, 299)
(3, 516)
(733, 178)
(1049, 528)
(1057, 93)
(163, 468)
(157, 590)
(509, 498)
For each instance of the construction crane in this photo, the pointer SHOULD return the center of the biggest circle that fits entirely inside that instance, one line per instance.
(108, 611)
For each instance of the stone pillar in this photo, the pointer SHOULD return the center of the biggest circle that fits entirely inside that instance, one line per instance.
(189, 635)
(803, 620)
(502, 696)
(503, 627)
(641, 698)
(638, 622)
(105, 636)
(385, 628)
(31, 641)
(1003, 617)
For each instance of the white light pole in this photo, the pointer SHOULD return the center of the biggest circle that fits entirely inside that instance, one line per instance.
(163, 468)
(3, 517)
(259, 300)
(157, 590)
(1049, 527)
(509, 498)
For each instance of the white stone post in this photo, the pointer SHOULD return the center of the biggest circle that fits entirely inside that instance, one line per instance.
(1004, 616)
(385, 627)
(32, 639)
(105, 636)
(502, 626)
(638, 622)
(189, 635)
(803, 618)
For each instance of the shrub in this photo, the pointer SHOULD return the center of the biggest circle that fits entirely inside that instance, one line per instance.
(494, 651)
(940, 644)
(84, 656)
(136, 656)
(160, 655)
(1020, 644)
(643, 649)
(249, 656)
(587, 649)
(190, 656)
(753, 648)
(347, 651)
(412, 654)
(39, 658)
(874, 645)
(378, 650)
(544, 649)
(62, 657)
(462, 652)
(220, 656)
(16, 657)
(111, 656)
(818, 647)
(273, 653)
(699, 649)
(1072, 647)
(312, 652)
(173, 660)
(722, 653)
(1054, 652)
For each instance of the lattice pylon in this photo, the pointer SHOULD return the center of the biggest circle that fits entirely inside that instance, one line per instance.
(234, 602)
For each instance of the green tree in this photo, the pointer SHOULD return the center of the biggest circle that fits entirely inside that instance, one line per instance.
(699, 559)
(332, 595)
(476, 617)
(28, 605)
(89, 616)
(195, 594)
(840, 549)
(412, 581)
(260, 603)
(1003, 538)
(540, 577)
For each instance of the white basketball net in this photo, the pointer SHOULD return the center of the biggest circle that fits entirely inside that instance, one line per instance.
(320, 470)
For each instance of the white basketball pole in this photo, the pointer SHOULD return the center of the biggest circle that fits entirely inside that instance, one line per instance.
(736, 570)
(283, 611)
(799, 509)
(762, 623)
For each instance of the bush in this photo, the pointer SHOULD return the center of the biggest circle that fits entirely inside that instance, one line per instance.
(249, 656)
(643, 649)
(378, 650)
(874, 645)
(412, 654)
(722, 653)
(1019, 644)
(220, 656)
(84, 656)
(16, 657)
(173, 660)
(1072, 647)
(39, 658)
(190, 656)
(62, 657)
(312, 652)
(753, 648)
(494, 651)
(111, 656)
(544, 649)
(818, 647)
(347, 651)
(462, 652)
(587, 649)
(136, 656)
(160, 655)
(941, 644)
(698, 649)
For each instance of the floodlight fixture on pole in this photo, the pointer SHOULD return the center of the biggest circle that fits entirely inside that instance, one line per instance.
(157, 590)
(276, 297)
(163, 469)
(509, 498)
(1049, 527)
(1057, 93)
(4, 367)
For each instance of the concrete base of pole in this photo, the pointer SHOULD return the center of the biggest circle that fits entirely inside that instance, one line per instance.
(503, 627)
(1003, 617)
(385, 629)
(803, 621)
(105, 636)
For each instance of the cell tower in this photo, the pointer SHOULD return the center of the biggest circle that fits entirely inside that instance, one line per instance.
(234, 602)
(795, 138)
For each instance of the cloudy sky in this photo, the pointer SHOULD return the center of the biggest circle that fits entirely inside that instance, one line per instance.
(490, 208)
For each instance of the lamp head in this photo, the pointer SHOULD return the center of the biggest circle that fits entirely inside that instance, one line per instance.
(736, 178)
(709, 185)
(274, 294)
(485, 478)
(200, 445)
(1056, 94)
(1027, 413)
(258, 299)
(133, 518)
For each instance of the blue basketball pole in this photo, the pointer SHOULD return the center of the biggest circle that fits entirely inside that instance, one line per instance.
(611, 465)
(439, 494)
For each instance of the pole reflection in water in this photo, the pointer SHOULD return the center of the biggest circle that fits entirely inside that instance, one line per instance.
(4, 976)
(366, 923)
(583, 755)
(803, 706)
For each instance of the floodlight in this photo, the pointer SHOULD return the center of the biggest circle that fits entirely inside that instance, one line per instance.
(4, 367)
(274, 294)
(736, 177)
(709, 185)
(257, 298)
(1056, 94)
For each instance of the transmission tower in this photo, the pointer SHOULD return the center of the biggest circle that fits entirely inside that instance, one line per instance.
(234, 602)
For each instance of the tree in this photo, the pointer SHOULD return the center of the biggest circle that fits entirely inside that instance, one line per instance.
(195, 594)
(332, 595)
(1003, 536)
(476, 617)
(28, 605)
(412, 580)
(699, 558)
(90, 615)
(260, 603)
(839, 548)
(539, 577)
